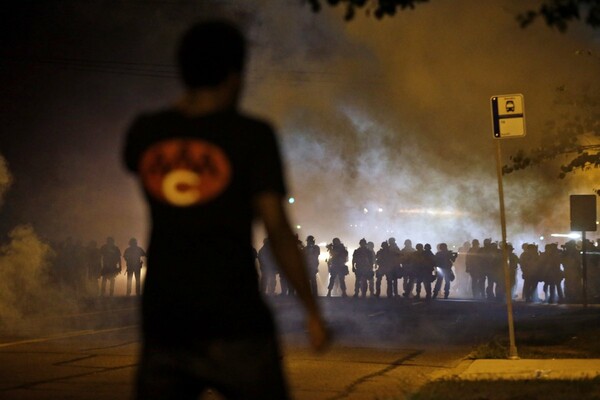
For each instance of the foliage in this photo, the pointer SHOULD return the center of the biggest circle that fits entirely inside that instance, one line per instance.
(574, 134)
(495, 349)
(556, 13)
(379, 8)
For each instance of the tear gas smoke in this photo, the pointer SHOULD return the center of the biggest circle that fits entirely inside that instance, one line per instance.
(25, 290)
(391, 115)
(394, 115)
(23, 276)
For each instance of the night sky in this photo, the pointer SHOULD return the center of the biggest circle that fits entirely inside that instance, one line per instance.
(385, 125)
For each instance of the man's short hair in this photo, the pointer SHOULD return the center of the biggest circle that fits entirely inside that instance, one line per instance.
(208, 52)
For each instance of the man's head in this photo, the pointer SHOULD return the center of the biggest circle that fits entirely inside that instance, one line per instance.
(209, 52)
(310, 239)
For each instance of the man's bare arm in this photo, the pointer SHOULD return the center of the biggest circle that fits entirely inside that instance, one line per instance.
(269, 207)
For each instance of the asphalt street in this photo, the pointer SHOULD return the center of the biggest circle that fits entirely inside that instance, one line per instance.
(382, 349)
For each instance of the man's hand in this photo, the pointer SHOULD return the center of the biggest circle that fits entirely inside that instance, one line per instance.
(269, 207)
(318, 333)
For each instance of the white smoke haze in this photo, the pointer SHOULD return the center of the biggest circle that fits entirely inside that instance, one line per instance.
(26, 293)
(388, 114)
(394, 115)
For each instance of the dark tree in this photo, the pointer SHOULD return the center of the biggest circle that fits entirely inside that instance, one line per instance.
(557, 13)
(573, 135)
(379, 8)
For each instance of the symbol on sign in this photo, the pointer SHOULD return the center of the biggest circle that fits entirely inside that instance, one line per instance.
(508, 116)
(510, 106)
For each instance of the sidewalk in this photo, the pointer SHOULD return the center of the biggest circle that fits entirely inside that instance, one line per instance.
(525, 369)
(502, 379)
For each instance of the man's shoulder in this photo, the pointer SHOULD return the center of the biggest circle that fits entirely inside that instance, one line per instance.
(250, 119)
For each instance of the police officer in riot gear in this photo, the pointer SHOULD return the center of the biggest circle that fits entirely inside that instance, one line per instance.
(384, 269)
(443, 261)
(338, 256)
(371, 273)
(268, 269)
(474, 269)
(311, 254)
(423, 263)
(408, 269)
(362, 266)
(133, 261)
(111, 265)
(396, 272)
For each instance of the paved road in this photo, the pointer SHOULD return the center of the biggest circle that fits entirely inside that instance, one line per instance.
(383, 349)
(100, 364)
(365, 373)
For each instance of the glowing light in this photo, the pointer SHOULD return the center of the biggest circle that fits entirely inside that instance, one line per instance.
(291, 200)
(298, 227)
(380, 210)
(567, 235)
(541, 238)
(431, 211)
(365, 210)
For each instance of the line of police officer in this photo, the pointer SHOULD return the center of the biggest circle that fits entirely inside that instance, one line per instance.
(550, 268)
(88, 270)
(418, 268)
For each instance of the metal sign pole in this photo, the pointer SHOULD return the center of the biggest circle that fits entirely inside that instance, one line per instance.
(509, 307)
(584, 268)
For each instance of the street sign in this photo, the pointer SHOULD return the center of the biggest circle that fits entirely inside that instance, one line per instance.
(583, 212)
(508, 116)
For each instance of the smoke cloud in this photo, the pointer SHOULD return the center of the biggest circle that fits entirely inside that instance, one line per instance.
(25, 288)
(385, 124)
(23, 271)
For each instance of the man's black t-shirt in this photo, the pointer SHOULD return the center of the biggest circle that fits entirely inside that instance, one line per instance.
(199, 175)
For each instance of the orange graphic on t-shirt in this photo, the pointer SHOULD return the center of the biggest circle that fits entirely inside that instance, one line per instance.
(184, 172)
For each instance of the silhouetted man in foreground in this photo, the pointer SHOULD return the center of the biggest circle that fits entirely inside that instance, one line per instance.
(207, 170)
